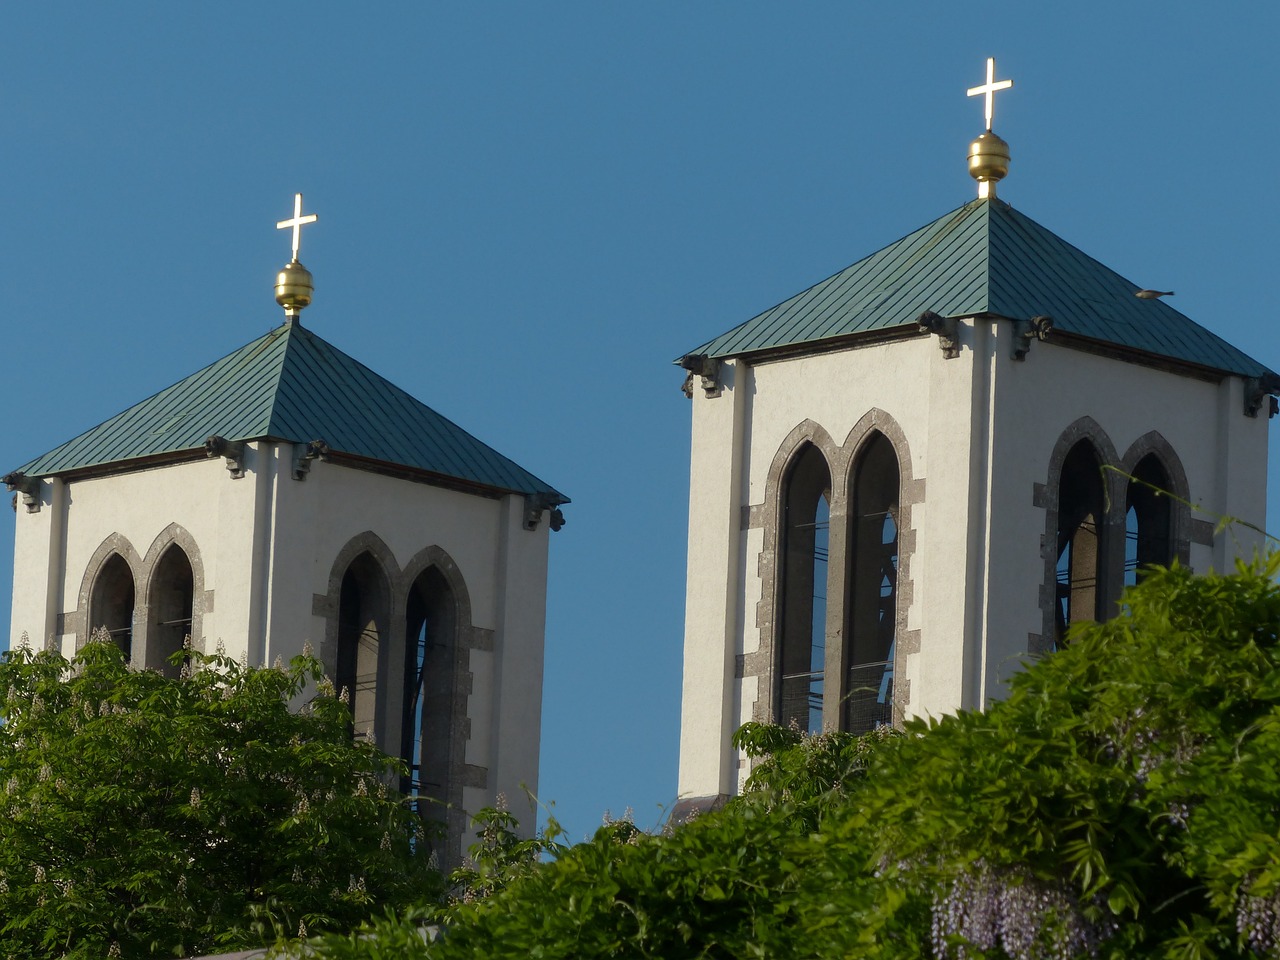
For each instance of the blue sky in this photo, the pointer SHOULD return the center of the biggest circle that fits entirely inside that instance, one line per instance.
(527, 210)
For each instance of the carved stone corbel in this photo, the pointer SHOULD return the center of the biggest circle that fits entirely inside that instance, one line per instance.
(708, 368)
(306, 453)
(1260, 390)
(1024, 331)
(28, 487)
(534, 505)
(231, 450)
(946, 329)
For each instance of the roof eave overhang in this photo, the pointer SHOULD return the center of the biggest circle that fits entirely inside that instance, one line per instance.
(808, 348)
(94, 471)
(1115, 351)
(911, 331)
(551, 496)
(155, 461)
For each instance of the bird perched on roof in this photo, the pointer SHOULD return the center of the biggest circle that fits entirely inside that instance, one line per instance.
(1153, 294)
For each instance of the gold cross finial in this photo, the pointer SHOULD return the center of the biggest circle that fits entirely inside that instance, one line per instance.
(989, 88)
(297, 223)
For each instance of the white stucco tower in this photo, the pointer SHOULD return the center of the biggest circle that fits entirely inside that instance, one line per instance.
(914, 475)
(284, 494)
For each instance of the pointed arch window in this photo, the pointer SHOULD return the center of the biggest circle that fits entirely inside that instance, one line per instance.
(431, 625)
(111, 603)
(1149, 537)
(1081, 546)
(806, 503)
(171, 605)
(363, 615)
(872, 587)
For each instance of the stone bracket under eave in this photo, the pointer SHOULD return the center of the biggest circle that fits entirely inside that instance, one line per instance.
(534, 506)
(304, 454)
(708, 368)
(1024, 331)
(947, 330)
(1260, 390)
(230, 450)
(26, 487)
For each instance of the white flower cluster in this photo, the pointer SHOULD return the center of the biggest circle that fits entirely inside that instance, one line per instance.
(1258, 922)
(1027, 918)
(1137, 742)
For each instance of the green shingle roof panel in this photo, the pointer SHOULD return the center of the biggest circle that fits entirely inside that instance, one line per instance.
(984, 258)
(292, 385)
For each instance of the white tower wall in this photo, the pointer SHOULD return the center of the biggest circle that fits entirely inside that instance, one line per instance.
(976, 436)
(267, 552)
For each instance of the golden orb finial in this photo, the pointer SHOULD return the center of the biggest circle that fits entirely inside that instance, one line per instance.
(989, 155)
(294, 285)
(988, 162)
(294, 288)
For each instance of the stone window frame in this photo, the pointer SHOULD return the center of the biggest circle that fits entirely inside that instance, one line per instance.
(201, 600)
(841, 459)
(143, 569)
(77, 622)
(852, 590)
(467, 637)
(385, 716)
(807, 469)
(1116, 472)
(1180, 523)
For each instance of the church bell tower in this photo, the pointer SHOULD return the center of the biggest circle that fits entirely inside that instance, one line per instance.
(284, 495)
(912, 477)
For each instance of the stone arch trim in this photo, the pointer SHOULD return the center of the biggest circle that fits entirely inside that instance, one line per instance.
(840, 459)
(763, 663)
(1155, 443)
(116, 543)
(910, 493)
(326, 605)
(201, 600)
(467, 637)
(1046, 495)
(470, 636)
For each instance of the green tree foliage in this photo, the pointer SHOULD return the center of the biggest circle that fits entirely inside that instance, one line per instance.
(142, 816)
(1123, 801)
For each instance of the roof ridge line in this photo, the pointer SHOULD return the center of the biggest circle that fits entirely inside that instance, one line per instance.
(288, 329)
(827, 279)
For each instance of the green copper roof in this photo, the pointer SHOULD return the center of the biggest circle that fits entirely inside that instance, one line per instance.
(292, 385)
(984, 258)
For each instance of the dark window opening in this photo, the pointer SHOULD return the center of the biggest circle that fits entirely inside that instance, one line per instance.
(873, 588)
(1148, 520)
(1081, 548)
(805, 531)
(362, 626)
(111, 603)
(425, 741)
(172, 597)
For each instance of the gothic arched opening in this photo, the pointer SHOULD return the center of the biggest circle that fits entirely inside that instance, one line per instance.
(1149, 537)
(431, 634)
(170, 608)
(363, 617)
(111, 603)
(1081, 563)
(806, 500)
(872, 587)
